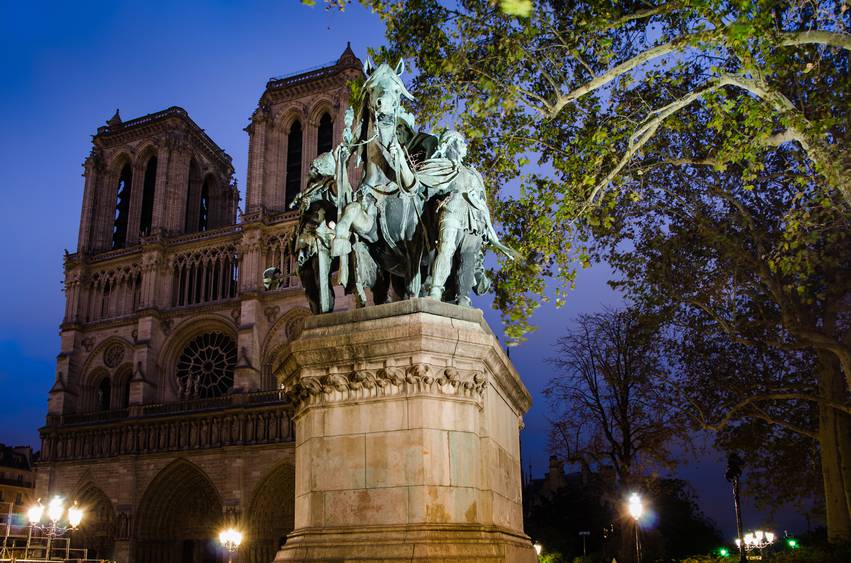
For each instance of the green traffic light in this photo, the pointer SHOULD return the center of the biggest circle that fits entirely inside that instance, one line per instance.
(792, 543)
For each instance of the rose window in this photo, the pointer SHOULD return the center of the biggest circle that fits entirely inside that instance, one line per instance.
(113, 355)
(205, 367)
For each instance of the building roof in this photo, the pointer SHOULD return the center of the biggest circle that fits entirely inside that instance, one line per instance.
(347, 60)
(16, 457)
(115, 127)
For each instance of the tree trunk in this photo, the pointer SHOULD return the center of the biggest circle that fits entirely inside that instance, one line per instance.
(834, 437)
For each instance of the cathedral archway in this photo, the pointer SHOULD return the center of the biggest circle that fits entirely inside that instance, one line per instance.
(270, 516)
(179, 517)
(97, 529)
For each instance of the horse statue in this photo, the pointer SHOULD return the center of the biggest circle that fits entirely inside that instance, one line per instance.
(417, 222)
(383, 222)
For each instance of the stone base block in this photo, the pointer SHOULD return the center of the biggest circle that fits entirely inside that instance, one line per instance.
(407, 420)
(457, 544)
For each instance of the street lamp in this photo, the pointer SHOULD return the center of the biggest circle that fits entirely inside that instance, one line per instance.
(635, 507)
(538, 547)
(54, 526)
(756, 540)
(230, 540)
(733, 475)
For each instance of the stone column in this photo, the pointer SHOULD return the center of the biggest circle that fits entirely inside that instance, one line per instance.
(137, 188)
(256, 161)
(407, 437)
(247, 373)
(92, 169)
(162, 203)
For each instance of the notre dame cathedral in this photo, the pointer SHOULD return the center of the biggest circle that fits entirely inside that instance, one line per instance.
(165, 421)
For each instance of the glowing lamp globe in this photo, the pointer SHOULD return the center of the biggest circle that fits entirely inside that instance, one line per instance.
(75, 515)
(634, 506)
(36, 512)
(55, 508)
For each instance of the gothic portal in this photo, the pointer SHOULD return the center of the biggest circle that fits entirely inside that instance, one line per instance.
(165, 421)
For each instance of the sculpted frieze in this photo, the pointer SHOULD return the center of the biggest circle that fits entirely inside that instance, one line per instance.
(360, 384)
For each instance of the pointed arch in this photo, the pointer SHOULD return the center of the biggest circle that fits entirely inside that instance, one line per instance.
(292, 176)
(285, 329)
(149, 186)
(270, 515)
(325, 134)
(95, 358)
(121, 215)
(97, 529)
(193, 194)
(121, 386)
(178, 516)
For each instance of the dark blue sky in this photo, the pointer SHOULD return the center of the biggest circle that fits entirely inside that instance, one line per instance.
(66, 66)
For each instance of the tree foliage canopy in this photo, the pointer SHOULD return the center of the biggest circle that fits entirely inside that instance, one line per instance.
(586, 89)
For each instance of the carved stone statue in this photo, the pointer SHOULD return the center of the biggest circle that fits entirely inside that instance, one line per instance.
(417, 221)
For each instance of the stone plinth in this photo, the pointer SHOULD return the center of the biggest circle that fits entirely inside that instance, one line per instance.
(407, 437)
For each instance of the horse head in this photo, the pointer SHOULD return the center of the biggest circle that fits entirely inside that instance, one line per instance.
(383, 91)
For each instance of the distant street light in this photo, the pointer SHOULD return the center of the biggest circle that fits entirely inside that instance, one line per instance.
(584, 534)
(756, 540)
(636, 509)
(230, 540)
(538, 547)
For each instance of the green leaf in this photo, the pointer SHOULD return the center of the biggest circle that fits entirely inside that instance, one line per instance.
(519, 8)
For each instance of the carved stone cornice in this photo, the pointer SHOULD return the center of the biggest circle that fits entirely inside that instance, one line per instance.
(440, 349)
(365, 384)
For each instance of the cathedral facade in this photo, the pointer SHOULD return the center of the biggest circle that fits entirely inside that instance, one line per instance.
(165, 421)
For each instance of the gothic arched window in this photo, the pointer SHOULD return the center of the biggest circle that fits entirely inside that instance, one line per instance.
(325, 135)
(122, 207)
(103, 393)
(148, 196)
(292, 184)
(204, 206)
(205, 367)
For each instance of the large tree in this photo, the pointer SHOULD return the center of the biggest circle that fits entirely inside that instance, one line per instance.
(583, 87)
(611, 397)
(699, 145)
(756, 279)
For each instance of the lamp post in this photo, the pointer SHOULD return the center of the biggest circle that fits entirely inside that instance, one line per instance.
(230, 540)
(54, 526)
(538, 547)
(636, 510)
(734, 472)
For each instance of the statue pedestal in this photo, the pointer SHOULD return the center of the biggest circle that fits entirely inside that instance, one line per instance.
(407, 437)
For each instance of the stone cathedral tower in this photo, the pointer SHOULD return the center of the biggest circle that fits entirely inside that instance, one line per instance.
(165, 421)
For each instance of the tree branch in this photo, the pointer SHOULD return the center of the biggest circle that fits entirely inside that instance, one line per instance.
(734, 410)
(626, 66)
(833, 39)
